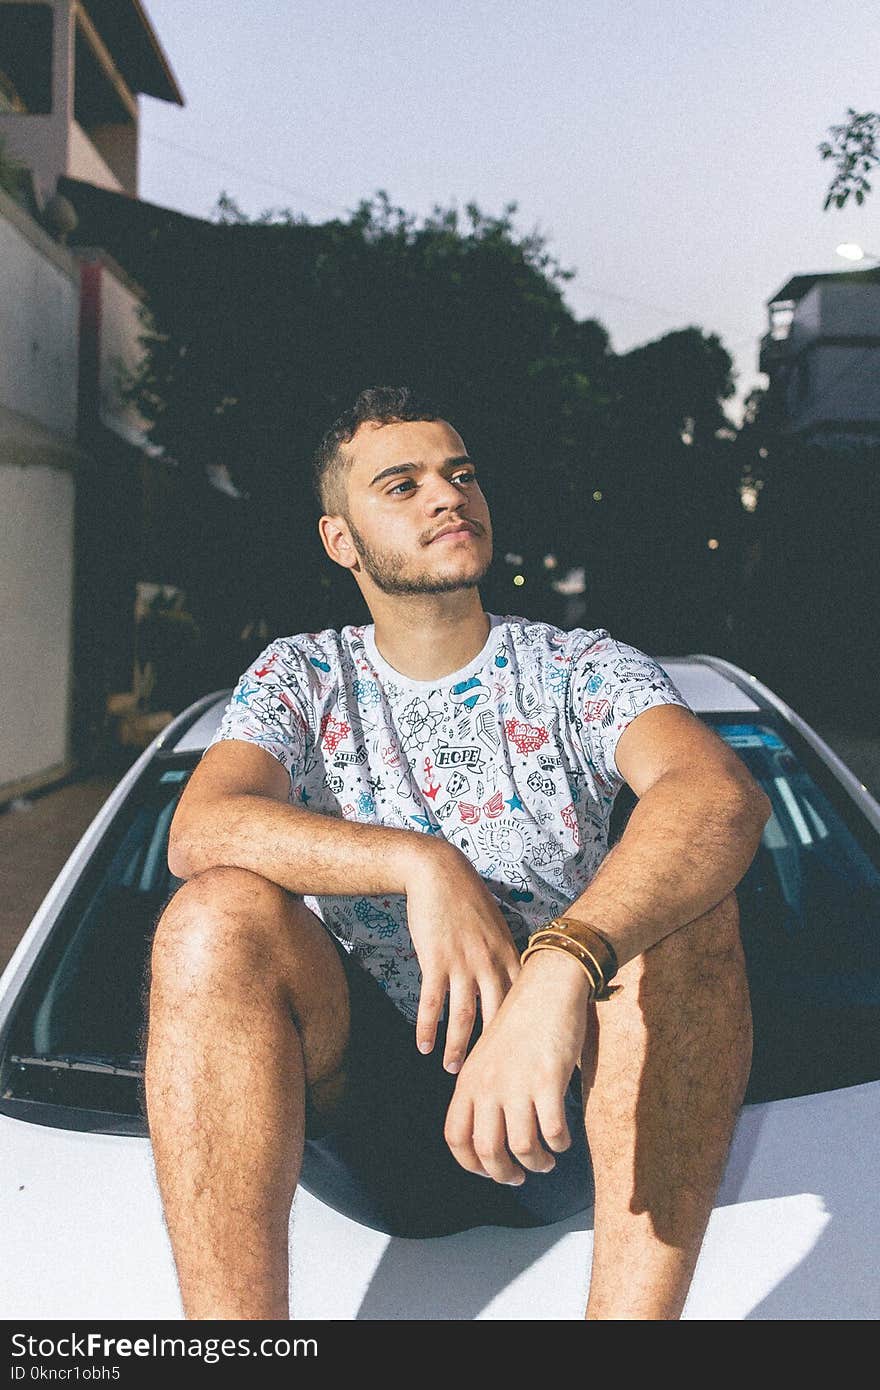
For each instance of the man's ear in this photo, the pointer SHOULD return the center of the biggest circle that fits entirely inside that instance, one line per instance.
(336, 540)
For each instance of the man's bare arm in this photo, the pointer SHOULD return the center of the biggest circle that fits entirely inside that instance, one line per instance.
(688, 843)
(689, 840)
(235, 812)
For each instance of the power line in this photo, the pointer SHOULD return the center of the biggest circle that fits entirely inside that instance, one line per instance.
(242, 173)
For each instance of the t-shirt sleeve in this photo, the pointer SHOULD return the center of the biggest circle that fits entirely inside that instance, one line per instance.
(611, 684)
(269, 707)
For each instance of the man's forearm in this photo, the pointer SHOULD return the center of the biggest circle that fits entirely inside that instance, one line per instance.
(686, 846)
(303, 851)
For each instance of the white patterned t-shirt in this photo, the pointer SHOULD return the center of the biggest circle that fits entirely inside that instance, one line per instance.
(510, 758)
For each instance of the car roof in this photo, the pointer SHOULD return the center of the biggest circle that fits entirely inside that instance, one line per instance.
(708, 684)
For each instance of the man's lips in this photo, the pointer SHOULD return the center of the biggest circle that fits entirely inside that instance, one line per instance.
(463, 529)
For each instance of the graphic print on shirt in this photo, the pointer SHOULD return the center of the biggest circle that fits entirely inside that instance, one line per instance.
(510, 759)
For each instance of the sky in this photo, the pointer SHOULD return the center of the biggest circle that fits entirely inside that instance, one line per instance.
(667, 150)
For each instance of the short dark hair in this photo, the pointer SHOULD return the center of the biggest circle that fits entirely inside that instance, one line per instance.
(385, 405)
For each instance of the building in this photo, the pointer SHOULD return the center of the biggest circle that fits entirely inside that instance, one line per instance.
(70, 75)
(39, 457)
(76, 468)
(822, 355)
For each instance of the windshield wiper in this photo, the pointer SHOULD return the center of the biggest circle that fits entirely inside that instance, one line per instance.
(75, 1061)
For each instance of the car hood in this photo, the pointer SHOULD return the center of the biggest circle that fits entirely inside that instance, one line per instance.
(793, 1235)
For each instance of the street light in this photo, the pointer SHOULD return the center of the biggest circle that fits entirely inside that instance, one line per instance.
(851, 251)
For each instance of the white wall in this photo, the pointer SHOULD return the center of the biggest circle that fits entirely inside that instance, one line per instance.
(39, 317)
(36, 578)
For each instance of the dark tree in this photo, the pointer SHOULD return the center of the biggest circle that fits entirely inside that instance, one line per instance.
(262, 332)
(671, 493)
(273, 328)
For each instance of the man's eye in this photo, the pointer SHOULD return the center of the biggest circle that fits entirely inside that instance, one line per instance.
(466, 476)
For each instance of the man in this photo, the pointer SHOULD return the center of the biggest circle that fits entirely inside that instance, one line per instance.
(386, 816)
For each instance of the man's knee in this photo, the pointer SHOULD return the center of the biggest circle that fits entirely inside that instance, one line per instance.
(228, 929)
(225, 887)
(218, 913)
(227, 922)
(708, 947)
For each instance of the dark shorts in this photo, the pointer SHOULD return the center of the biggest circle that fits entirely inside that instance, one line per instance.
(383, 1160)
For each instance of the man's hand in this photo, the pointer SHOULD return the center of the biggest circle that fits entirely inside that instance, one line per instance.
(511, 1091)
(463, 944)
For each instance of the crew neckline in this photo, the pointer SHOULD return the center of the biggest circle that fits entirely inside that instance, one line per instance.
(389, 673)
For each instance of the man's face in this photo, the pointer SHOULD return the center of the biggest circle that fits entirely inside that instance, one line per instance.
(408, 483)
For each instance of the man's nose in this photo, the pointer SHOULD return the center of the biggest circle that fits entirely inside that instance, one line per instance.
(441, 493)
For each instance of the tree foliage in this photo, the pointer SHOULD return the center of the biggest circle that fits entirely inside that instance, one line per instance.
(855, 148)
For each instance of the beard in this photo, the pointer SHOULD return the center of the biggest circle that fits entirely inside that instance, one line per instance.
(388, 571)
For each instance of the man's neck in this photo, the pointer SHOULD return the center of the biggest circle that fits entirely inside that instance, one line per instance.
(429, 636)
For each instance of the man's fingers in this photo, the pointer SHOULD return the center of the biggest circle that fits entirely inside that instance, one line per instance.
(523, 1139)
(460, 1025)
(490, 1145)
(431, 1000)
(459, 1135)
(554, 1126)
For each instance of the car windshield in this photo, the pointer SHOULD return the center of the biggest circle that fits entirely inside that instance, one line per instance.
(76, 1037)
(809, 908)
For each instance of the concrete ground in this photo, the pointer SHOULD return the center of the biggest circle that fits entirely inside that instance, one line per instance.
(36, 840)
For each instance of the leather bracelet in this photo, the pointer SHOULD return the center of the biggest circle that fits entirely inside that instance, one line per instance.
(538, 945)
(594, 953)
(548, 936)
(594, 941)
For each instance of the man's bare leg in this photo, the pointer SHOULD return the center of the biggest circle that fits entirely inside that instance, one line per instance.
(664, 1071)
(248, 1004)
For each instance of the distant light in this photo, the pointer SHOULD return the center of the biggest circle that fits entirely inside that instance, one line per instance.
(712, 543)
(220, 478)
(575, 582)
(512, 559)
(597, 497)
(550, 562)
(850, 251)
(518, 580)
(750, 491)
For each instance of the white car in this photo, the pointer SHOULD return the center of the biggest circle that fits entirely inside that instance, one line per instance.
(796, 1225)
